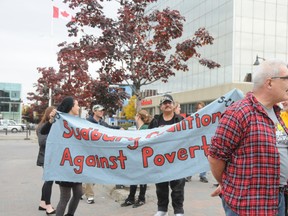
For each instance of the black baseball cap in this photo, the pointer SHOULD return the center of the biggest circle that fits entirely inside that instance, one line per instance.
(166, 97)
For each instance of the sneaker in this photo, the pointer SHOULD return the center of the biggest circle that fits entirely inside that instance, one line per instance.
(179, 214)
(138, 203)
(203, 179)
(127, 203)
(90, 200)
(161, 213)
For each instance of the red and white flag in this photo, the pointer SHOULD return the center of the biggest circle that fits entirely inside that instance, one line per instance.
(59, 13)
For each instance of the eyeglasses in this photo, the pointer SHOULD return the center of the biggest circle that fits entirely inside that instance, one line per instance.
(284, 77)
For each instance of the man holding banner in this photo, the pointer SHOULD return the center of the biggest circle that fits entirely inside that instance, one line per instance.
(249, 154)
(97, 118)
(168, 117)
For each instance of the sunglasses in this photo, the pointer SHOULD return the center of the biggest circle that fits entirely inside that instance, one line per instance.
(284, 77)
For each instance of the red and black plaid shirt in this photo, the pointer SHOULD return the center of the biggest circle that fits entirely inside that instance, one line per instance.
(245, 138)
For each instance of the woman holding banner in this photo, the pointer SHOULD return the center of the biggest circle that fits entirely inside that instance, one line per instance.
(45, 203)
(68, 105)
(142, 119)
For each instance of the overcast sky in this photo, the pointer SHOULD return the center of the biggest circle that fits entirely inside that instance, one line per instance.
(28, 39)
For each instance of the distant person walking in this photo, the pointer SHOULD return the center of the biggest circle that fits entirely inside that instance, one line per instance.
(68, 105)
(142, 119)
(45, 203)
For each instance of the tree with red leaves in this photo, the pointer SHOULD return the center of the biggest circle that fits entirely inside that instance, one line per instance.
(76, 83)
(135, 48)
(49, 81)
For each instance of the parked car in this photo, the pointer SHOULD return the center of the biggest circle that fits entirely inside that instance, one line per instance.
(10, 125)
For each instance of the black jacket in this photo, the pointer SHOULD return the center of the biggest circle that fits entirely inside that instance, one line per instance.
(155, 121)
(42, 144)
(101, 122)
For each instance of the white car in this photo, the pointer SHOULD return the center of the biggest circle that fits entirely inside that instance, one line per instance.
(10, 125)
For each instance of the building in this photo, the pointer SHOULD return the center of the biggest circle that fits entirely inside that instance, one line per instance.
(10, 101)
(241, 29)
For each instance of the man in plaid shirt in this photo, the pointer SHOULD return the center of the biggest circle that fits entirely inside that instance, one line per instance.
(249, 151)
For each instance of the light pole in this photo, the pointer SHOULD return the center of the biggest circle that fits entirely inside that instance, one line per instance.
(257, 60)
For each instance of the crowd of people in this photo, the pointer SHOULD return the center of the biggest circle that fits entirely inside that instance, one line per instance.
(248, 155)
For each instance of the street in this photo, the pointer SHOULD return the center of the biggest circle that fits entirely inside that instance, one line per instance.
(21, 182)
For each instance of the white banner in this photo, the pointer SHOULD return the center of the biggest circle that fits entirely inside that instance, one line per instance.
(80, 151)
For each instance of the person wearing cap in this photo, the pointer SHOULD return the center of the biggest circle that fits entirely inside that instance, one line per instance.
(97, 118)
(168, 117)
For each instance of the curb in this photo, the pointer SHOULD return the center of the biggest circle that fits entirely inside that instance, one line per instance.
(119, 195)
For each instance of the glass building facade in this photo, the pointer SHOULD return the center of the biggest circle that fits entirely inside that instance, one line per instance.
(10, 101)
(242, 29)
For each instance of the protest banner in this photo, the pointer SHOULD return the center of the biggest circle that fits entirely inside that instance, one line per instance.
(80, 151)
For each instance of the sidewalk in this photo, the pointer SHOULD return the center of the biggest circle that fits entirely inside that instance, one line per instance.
(21, 188)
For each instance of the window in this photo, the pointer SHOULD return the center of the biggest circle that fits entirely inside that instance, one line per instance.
(14, 107)
(15, 94)
(4, 107)
(4, 93)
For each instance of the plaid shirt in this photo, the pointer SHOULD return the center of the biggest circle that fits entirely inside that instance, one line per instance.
(245, 138)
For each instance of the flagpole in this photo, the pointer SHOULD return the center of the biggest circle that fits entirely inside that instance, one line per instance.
(51, 48)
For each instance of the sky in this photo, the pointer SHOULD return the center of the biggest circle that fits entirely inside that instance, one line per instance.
(28, 39)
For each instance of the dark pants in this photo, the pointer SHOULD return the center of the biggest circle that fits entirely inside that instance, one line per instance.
(142, 193)
(46, 192)
(177, 195)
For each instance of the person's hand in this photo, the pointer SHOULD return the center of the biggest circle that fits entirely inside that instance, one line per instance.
(52, 115)
(217, 192)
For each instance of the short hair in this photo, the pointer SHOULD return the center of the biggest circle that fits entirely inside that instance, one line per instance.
(266, 69)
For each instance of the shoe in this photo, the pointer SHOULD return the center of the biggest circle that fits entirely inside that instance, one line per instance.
(188, 179)
(120, 186)
(179, 214)
(161, 213)
(50, 213)
(127, 203)
(203, 179)
(90, 200)
(138, 203)
(41, 208)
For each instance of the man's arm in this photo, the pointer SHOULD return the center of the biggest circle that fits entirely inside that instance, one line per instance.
(217, 168)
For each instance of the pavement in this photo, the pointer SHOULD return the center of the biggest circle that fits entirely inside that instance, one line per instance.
(21, 187)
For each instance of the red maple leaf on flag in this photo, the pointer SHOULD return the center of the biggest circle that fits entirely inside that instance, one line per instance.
(60, 13)
(65, 14)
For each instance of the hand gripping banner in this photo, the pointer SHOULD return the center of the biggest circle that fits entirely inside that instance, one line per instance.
(80, 151)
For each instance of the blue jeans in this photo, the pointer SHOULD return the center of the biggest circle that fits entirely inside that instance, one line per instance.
(281, 207)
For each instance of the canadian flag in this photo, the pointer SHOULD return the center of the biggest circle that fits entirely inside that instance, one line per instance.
(58, 13)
